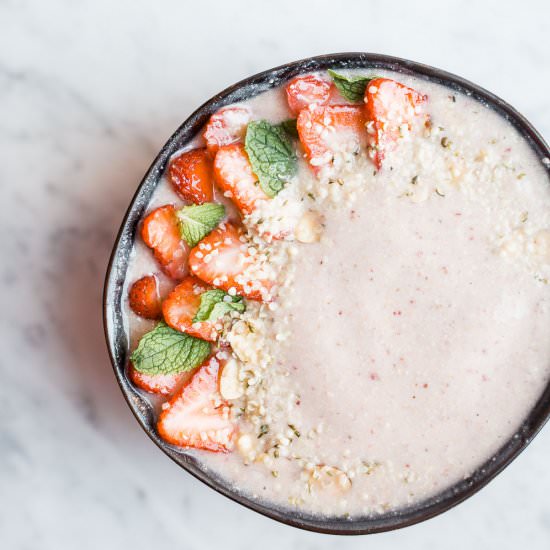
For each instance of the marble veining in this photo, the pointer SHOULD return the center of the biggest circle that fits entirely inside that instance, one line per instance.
(89, 92)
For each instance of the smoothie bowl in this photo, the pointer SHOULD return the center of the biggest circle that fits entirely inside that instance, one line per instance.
(329, 298)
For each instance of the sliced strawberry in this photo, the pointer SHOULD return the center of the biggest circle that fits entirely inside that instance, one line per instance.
(306, 90)
(327, 131)
(223, 260)
(161, 232)
(234, 176)
(192, 177)
(180, 308)
(197, 416)
(163, 384)
(390, 109)
(226, 126)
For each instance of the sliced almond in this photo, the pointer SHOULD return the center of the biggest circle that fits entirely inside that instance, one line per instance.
(230, 385)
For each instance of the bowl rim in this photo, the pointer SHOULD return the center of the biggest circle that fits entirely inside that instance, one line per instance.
(116, 271)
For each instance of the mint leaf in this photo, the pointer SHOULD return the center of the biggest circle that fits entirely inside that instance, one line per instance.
(215, 304)
(164, 350)
(208, 300)
(351, 87)
(289, 126)
(197, 220)
(271, 155)
(221, 308)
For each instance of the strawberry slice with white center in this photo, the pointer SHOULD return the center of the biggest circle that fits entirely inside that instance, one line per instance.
(390, 109)
(226, 126)
(161, 232)
(330, 134)
(181, 306)
(197, 416)
(163, 384)
(235, 178)
(303, 91)
(224, 260)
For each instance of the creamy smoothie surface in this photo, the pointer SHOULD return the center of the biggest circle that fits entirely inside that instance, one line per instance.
(399, 336)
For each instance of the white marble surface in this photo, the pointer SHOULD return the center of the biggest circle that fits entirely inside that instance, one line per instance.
(89, 91)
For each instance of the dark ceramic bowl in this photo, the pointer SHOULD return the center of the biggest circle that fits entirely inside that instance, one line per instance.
(117, 340)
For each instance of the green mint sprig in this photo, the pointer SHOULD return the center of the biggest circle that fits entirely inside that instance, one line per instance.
(216, 303)
(271, 155)
(290, 127)
(164, 350)
(351, 87)
(198, 220)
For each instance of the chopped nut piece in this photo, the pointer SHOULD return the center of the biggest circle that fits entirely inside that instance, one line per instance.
(511, 248)
(327, 478)
(230, 386)
(420, 194)
(481, 156)
(309, 228)
(240, 337)
(244, 444)
(456, 170)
